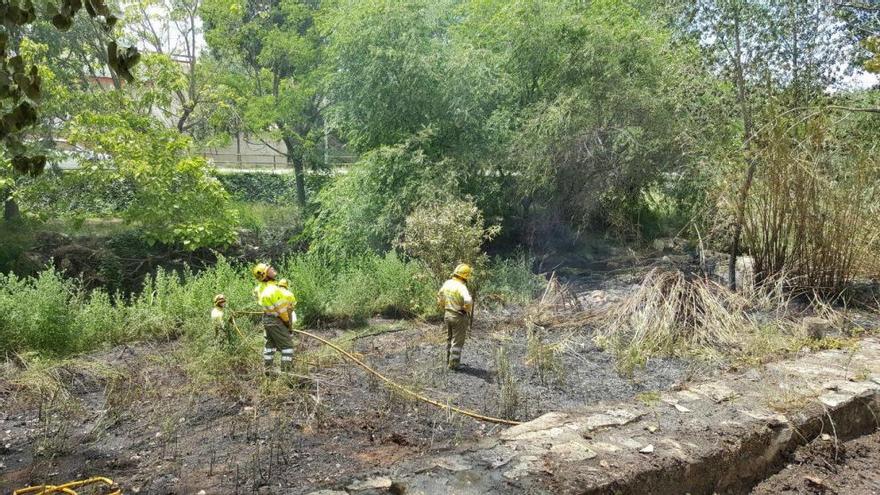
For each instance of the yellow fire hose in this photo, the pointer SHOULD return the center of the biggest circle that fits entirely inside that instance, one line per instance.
(109, 488)
(384, 378)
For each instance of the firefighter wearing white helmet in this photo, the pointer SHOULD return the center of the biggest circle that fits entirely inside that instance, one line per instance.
(458, 306)
(277, 303)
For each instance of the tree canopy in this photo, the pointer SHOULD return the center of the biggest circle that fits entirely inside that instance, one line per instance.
(554, 118)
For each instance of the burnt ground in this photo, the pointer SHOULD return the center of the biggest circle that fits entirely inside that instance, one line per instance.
(154, 431)
(826, 466)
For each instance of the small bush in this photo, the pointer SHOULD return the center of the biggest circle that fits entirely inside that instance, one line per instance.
(312, 281)
(383, 285)
(445, 233)
(543, 357)
(97, 321)
(36, 313)
(508, 391)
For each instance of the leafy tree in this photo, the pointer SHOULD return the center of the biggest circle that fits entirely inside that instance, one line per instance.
(172, 29)
(416, 104)
(176, 200)
(364, 210)
(572, 107)
(392, 64)
(20, 83)
(274, 52)
(761, 46)
(597, 95)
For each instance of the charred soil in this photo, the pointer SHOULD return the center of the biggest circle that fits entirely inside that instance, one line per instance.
(154, 430)
(826, 466)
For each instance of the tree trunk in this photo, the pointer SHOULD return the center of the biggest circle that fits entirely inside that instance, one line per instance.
(10, 210)
(746, 113)
(740, 218)
(298, 173)
(300, 181)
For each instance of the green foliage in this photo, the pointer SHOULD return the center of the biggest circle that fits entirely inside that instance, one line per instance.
(312, 281)
(383, 285)
(510, 281)
(443, 234)
(52, 314)
(75, 195)
(275, 76)
(96, 319)
(36, 313)
(57, 316)
(21, 86)
(568, 108)
(259, 187)
(176, 200)
(364, 210)
(603, 120)
(394, 72)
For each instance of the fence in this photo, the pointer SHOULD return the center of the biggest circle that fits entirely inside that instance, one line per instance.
(266, 163)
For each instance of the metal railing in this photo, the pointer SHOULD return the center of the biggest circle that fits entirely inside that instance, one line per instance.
(263, 162)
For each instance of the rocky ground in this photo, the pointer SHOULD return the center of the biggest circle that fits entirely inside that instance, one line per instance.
(720, 436)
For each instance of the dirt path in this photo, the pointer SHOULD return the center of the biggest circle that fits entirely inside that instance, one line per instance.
(825, 466)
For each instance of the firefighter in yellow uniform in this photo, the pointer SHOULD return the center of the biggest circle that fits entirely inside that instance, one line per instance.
(278, 316)
(218, 319)
(458, 306)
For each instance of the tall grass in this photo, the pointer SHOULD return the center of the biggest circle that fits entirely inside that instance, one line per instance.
(57, 316)
(510, 281)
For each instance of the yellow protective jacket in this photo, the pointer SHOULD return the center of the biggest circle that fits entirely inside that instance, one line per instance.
(275, 300)
(454, 296)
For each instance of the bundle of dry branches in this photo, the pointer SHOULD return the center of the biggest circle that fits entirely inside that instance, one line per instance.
(558, 306)
(670, 309)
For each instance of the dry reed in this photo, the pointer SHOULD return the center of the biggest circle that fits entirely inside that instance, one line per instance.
(813, 210)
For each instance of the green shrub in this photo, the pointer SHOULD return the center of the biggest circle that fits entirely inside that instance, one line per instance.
(37, 313)
(312, 281)
(176, 197)
(56, 316)
(510, 281)
(403, 288)
(382, 285)
(98, 321)
(75, 194)
(364, 210)
(269, 217)
(442, 234)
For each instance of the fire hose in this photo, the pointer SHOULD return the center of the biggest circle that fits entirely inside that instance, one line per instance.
(388, 381)
(109, 488)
